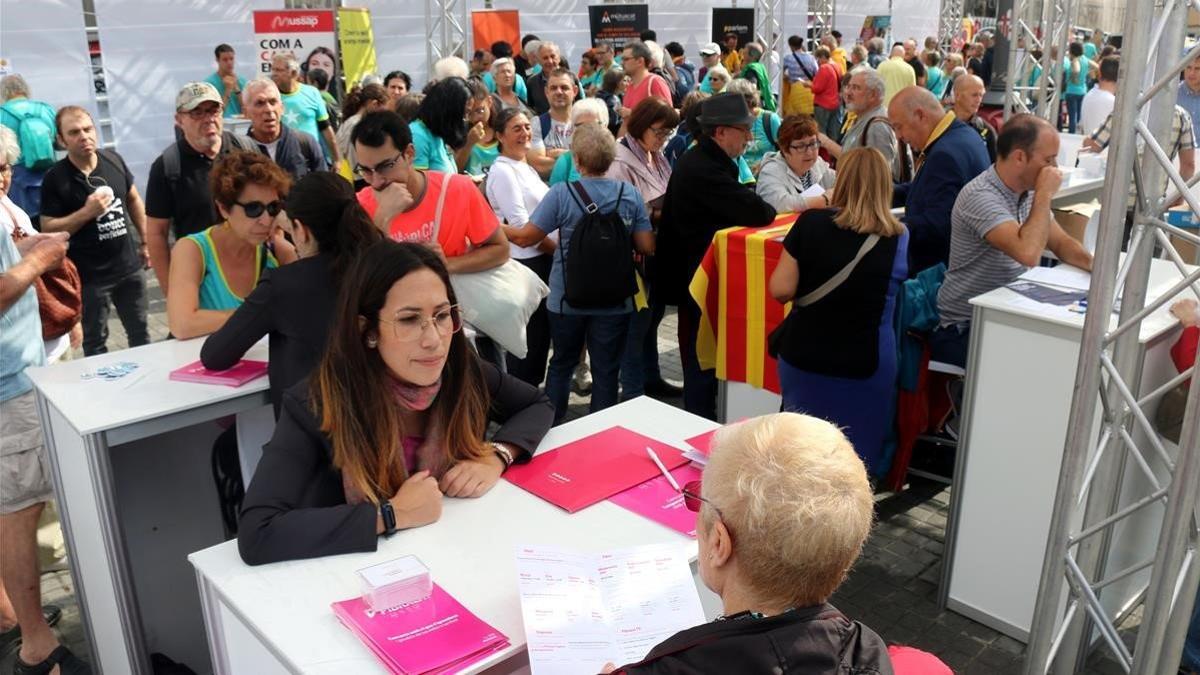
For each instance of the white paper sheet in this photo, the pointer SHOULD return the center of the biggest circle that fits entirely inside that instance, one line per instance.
(813, 191)
(1060, 276)
(583, 610)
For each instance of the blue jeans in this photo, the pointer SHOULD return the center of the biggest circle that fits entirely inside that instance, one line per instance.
(605, 337)
(26, 191)
(639, 365)
(128, 295)
(1074, 110)
(1190, 660)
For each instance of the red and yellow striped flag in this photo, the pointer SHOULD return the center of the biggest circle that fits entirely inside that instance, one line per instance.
(737, 312)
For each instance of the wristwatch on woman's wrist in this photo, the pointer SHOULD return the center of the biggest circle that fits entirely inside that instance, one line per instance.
(388, 514)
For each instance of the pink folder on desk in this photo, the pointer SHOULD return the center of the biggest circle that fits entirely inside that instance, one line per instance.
(592, 469)
(436, 635)
(243, 372)
(657, 500)
(703, 442)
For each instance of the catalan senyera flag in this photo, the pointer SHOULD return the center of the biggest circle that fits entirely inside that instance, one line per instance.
(737, 312)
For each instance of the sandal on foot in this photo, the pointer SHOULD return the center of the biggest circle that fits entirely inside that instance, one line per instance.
(52, 614)
(68, 664)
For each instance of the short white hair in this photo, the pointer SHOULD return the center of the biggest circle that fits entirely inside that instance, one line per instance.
(795, 496)
(593, 106)
(533, 47)
(506, 61)
(656, 54)
(871, 79)
(449, 66)
(260, 82)
(720, 70)
(290, 59)
(9, 146)
(12, 86)
(547, 45)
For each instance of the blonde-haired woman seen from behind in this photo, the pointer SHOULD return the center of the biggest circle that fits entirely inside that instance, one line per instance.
(841, 269)
(785, 507)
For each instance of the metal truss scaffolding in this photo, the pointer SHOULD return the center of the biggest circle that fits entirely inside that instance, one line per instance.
(949, 22)
(1045, 25)
(823, 12)
(445, 29)
(1109, 428)
(768, 32)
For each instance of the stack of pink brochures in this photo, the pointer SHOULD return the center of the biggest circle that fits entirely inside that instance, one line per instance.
(592, 469)
(659, 501)
(243, 372)
(436, 635)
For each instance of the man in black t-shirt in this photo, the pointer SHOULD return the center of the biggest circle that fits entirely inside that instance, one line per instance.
(177, 194)
(913, 58)
(90, 194)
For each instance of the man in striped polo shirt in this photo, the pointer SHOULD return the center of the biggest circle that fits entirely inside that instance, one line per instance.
(1000, 225)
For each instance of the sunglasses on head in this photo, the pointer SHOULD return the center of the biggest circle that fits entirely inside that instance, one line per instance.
(255, 209)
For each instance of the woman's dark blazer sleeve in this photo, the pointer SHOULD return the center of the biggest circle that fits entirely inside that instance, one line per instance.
(523, 412)
(295, 507)
(249, 323)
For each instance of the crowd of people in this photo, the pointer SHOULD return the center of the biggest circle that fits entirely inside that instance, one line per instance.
(606, 182)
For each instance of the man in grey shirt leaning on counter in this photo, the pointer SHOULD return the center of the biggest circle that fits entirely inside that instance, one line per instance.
(1000, 225)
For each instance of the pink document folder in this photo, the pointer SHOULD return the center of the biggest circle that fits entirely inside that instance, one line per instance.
(241, 373)
(592, 469)
(703, 442)
(436, 635)
(657, 500)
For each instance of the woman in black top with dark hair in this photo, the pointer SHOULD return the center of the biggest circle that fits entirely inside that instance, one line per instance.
(294, 304)
(441, 127)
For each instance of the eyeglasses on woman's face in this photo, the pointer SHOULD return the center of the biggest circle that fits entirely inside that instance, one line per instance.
(805, 146)
(409, 326)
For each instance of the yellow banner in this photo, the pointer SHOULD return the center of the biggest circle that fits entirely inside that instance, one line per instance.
(357, 44)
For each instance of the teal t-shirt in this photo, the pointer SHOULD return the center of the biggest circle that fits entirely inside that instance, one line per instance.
(592, 80)
(1075, 83)
(234, 107)
(564, 169)
(303, 108)
(215, 292)
(431, 151)
(705, 85)
(935, 81)
(20, 331)
(1089, 51)
(761, 144)
(482, 158)
(518, 86)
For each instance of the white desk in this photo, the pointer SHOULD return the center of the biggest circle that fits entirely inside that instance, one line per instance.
(133, 480)
(276, 618)
(1020, 380)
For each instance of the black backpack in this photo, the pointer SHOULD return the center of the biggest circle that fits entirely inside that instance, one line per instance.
(599, 271)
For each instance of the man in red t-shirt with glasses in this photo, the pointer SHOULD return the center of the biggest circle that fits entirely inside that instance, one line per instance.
(635, 59)
(403, 200)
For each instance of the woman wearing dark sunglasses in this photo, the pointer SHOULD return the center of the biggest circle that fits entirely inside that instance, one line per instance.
(785, 508)
(393, 418)
(213, 271)
(295, 303)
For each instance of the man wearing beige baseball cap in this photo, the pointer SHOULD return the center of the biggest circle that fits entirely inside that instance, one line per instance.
(177, 194)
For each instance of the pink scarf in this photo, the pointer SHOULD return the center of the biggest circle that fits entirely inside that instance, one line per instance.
(429, 454)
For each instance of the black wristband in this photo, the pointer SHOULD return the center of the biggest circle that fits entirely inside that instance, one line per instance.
(388, 514)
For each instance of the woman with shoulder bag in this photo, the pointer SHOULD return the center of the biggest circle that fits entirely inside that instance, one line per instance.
(841, 268)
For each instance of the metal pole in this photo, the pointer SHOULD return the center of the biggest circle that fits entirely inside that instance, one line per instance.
(1087, 379)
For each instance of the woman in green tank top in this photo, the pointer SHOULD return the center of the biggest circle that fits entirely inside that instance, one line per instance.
(213, 271)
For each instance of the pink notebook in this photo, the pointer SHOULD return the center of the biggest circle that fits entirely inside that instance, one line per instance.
(592, 469)
(436, 635)
(657, 500)
(243, 372)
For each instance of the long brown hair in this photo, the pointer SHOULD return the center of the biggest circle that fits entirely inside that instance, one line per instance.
(863, 194)
(350, 393)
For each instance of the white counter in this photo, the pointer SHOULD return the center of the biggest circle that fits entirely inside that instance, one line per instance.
(133, 480)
